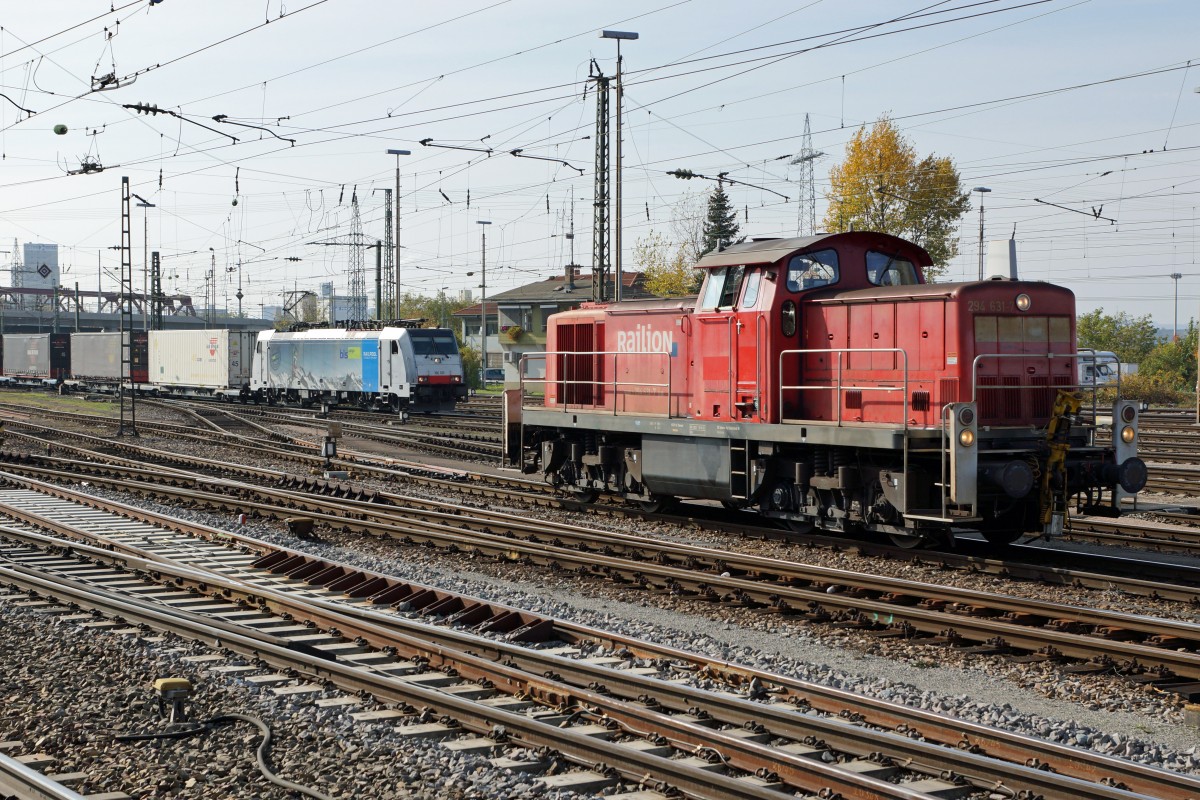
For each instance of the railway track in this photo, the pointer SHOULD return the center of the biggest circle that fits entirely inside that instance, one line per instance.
(1135, 576)
(1161, 651)
(769, 732)
(18, 779)
(455, 441)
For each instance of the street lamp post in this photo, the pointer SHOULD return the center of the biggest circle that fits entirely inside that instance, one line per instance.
(982, 191)
(619, 36)
(483, 303)
(147, 205)
(396, 240)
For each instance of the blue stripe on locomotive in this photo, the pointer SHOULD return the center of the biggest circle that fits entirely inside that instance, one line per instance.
(370, 365)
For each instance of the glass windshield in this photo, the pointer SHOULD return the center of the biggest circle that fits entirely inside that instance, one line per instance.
(811, 270)
(722, 288)
(433, 342)
(890, 270)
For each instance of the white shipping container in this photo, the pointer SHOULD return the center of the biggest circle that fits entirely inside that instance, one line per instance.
(212, 359)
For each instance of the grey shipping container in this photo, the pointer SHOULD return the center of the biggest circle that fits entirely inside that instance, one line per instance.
(37, 355)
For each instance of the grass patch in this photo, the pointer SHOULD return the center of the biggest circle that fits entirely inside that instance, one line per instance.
(34, 400)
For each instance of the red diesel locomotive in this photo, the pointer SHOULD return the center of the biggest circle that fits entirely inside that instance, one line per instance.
(822, 382)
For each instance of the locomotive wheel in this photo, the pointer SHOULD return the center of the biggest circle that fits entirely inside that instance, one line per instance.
(656, 504)
(1002, 537)
(582, 495)
(798, 525)
(908, 541)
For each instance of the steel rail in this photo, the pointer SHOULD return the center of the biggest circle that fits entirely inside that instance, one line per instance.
(20, 781)
(478, 658)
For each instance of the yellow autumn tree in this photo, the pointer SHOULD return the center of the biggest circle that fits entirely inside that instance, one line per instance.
(667, 270)
(882, 185)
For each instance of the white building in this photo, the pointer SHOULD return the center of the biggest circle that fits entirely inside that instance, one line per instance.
(334, 306)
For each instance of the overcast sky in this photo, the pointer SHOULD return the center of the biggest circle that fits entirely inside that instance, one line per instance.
(710, 86)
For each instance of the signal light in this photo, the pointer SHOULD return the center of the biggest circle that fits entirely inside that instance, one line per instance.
(966, 438)
(1127, 413)
(1127, 434)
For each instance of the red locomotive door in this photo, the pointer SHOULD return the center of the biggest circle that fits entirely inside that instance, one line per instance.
(716, 357)
(750, 332)
(718, 334)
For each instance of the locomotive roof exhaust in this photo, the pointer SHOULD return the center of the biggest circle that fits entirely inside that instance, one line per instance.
(1002, 259)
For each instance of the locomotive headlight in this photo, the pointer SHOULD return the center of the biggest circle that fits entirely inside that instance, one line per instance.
(1127, 413)
(1127, 434)
(966, 438)
(1024, 302)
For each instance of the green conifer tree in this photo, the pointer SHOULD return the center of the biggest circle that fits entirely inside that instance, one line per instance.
(720, 226)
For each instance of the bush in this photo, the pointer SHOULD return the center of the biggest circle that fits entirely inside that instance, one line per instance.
(1156, 390)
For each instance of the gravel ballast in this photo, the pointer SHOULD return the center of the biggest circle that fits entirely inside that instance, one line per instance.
(1103, 713)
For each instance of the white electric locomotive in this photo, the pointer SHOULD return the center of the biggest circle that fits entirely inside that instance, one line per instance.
(396, 369)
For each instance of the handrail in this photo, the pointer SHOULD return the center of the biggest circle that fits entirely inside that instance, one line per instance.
(1074, 385)
(616, 354)
(838, 388)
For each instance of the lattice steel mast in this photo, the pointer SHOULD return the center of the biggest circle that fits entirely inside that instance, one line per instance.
(601, 227)
(358, 268)
(125, 307)
(806, 209)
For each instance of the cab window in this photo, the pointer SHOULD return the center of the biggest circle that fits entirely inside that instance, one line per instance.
(890, 270)
(722, 288)
(812, 270)
(750, 296)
